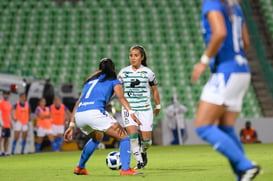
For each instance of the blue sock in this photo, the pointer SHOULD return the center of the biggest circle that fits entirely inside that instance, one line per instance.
(53, 146)
(88, 150)
(24, 142)
(59, 142)
(13, 146)
(225, 145)
(37, 147)
(125, 153)
(229, 130)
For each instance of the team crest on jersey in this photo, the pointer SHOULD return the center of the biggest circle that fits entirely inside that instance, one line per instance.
(143, 74)
(126, 121)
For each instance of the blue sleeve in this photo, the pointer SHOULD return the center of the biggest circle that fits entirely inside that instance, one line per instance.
(116, 81)
(14, 106)
(65, 108)
(210, 5)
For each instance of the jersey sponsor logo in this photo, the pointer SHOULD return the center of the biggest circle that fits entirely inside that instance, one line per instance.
(132, 94)
(86, 103)
(134, 82)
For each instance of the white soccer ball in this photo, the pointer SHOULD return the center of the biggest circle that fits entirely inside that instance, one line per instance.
(113, 160)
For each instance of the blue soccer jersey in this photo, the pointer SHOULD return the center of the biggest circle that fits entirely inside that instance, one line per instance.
(230, 57)
(96, 94)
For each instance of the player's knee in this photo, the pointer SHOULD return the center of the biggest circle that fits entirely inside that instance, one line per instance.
(121, 134)
(97, 136)
(133, 136)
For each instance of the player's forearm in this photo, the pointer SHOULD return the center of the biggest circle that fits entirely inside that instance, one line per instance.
(44, 116)
(68, 113)
(72, 116)
(245, 37)
(124, 103)
(219, 33)
(156, 96)
(119, 94)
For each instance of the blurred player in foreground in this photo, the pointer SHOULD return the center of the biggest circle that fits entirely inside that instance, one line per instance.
(90, 116)
(226, 40)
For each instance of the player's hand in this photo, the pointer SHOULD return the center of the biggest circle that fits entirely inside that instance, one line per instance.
(197, 71)
(156, 111)
(68, 134)
(134, 117)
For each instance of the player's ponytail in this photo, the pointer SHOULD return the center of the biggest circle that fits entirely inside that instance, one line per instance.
(106, 67)
(142, 52)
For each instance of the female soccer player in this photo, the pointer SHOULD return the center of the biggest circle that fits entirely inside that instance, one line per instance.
(43, 116)
(21, 115)
(137, 80)
(5, 110)
(60, 113)
(91, 117)
(226, 40)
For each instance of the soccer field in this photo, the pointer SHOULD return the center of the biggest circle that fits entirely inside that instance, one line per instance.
(169, 163)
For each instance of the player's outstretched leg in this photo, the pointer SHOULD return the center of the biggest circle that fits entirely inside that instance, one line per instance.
(88, 150)
(229, 130)
(125, 155)
(225, 145)
(135, 148)
(145, 146)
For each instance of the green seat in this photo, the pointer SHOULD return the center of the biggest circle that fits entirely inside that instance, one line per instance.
(66, 42)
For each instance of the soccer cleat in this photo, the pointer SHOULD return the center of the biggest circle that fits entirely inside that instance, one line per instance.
(80, 171)
(129, 172)
(144, 158)
(139, 166)
(250, 174)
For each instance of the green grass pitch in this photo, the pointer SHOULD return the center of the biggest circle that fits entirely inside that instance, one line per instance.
(169, 163)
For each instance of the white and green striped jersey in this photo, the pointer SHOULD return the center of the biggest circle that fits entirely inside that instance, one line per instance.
(136, 86)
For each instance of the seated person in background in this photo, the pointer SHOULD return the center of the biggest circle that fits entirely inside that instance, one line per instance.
(248, 134)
